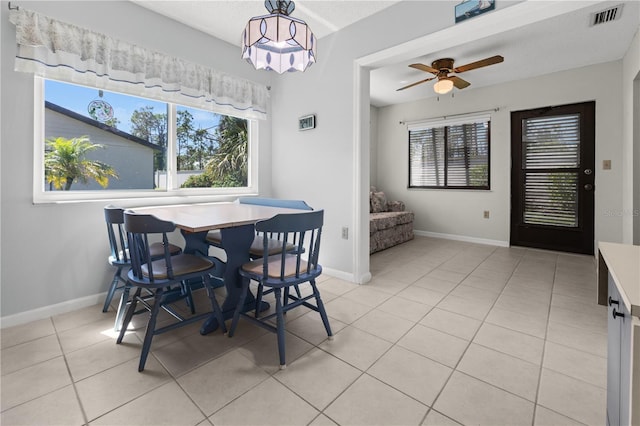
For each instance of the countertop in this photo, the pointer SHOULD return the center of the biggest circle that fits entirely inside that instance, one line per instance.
(622, 261)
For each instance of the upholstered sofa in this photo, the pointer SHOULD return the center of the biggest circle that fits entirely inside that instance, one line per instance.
(389, 223)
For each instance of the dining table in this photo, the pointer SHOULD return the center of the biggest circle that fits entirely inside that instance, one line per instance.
(236, 223)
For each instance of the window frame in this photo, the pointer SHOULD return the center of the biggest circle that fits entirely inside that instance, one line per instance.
(41, 196)
(444, 123)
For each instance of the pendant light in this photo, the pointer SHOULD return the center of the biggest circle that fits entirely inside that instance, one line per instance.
(277, 41)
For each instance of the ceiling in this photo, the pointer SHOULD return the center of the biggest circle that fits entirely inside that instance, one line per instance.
(561, 42)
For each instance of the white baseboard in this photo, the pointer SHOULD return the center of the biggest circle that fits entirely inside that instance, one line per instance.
(51, 310)
(462, 238)
(83, 302)
(346, 276)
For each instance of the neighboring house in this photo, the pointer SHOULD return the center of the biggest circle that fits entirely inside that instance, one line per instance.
(129, 155)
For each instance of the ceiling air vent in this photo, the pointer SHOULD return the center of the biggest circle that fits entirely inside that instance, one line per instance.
(607, 15)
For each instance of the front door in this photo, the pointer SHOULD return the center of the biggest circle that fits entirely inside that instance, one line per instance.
(552, 177)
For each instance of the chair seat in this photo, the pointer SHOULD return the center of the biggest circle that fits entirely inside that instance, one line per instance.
(182, 264)
(255, 267)
(155, 249)
(257, 246)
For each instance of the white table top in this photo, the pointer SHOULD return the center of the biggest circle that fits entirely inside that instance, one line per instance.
(623, 262)
(205, 217)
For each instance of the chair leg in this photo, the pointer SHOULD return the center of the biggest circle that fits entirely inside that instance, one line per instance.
(151, 326)
(214, 305)
(320, 305)
(280, 327)
(258, 299)
(124, 298)
(297, 290)
(186, 288)
(239, 306)
(112, 289)
(129, 315)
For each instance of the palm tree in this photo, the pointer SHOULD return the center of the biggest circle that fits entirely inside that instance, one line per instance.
(65, 162)
(231, 158)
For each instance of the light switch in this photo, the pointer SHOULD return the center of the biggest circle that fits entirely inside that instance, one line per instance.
(606, 164)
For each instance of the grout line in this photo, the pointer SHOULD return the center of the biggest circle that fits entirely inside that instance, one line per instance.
(73, 383)
(544, 346)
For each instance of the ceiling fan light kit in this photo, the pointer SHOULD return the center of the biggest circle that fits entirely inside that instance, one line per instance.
(443, 86)
(441, 68)
(277, 41)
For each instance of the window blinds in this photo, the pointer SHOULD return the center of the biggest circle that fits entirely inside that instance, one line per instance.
(450, 152)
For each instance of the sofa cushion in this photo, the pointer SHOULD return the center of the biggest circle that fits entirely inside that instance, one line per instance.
(385, 220)
(378, 202)
(395, 206)
(390, 237)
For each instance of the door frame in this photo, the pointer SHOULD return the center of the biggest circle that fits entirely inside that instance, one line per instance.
(582, 238)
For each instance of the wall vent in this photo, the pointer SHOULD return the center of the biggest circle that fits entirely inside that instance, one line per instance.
(607, 15)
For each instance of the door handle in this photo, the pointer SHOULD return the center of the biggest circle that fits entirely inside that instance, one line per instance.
(588, 187)
(613, 302)
(615, 314)
(588, 171)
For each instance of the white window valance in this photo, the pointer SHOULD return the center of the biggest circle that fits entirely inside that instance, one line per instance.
(53, 49)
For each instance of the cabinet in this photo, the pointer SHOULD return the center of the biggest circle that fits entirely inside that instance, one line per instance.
(619, 289)
(619, 333)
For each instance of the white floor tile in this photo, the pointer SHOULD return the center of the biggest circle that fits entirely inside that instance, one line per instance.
(371, 402)
(572, 398)
(501, 370)
(436, 345)
(269, 403)
(412, 374)
(470, 401)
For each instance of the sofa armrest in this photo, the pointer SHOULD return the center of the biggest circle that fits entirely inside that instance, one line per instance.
(395, 206)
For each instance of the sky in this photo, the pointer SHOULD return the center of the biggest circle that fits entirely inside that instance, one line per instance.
(77, 99)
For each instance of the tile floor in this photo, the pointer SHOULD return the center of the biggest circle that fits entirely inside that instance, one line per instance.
(446, 333)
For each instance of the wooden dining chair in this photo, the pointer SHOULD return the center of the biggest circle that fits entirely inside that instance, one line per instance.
(119, 258)
(168, 278)
(278, 273)
(257, 249)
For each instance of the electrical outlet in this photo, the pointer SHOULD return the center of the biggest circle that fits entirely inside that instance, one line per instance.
(606, 164)
(486, 214)
(345, 233)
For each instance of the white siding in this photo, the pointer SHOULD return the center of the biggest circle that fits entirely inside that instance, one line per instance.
(132, 161)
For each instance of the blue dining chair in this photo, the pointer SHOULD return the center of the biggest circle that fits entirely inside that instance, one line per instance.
(119, 258)
(257, 250)
(167, 278)
(278, 273)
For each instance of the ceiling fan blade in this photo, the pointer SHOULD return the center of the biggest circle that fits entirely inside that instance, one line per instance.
(479, 64)
(426, 68)
(458, 82)
(415, 84)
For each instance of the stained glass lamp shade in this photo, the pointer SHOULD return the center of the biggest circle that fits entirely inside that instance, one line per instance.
(277, 41)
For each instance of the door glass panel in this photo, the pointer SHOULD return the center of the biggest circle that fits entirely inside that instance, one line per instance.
(551, 142)
(551, 199)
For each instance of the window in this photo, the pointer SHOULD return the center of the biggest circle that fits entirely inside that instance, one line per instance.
(98, 144)
(450, 153)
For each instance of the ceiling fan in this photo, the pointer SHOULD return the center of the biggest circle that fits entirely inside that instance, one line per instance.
(442, 67)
